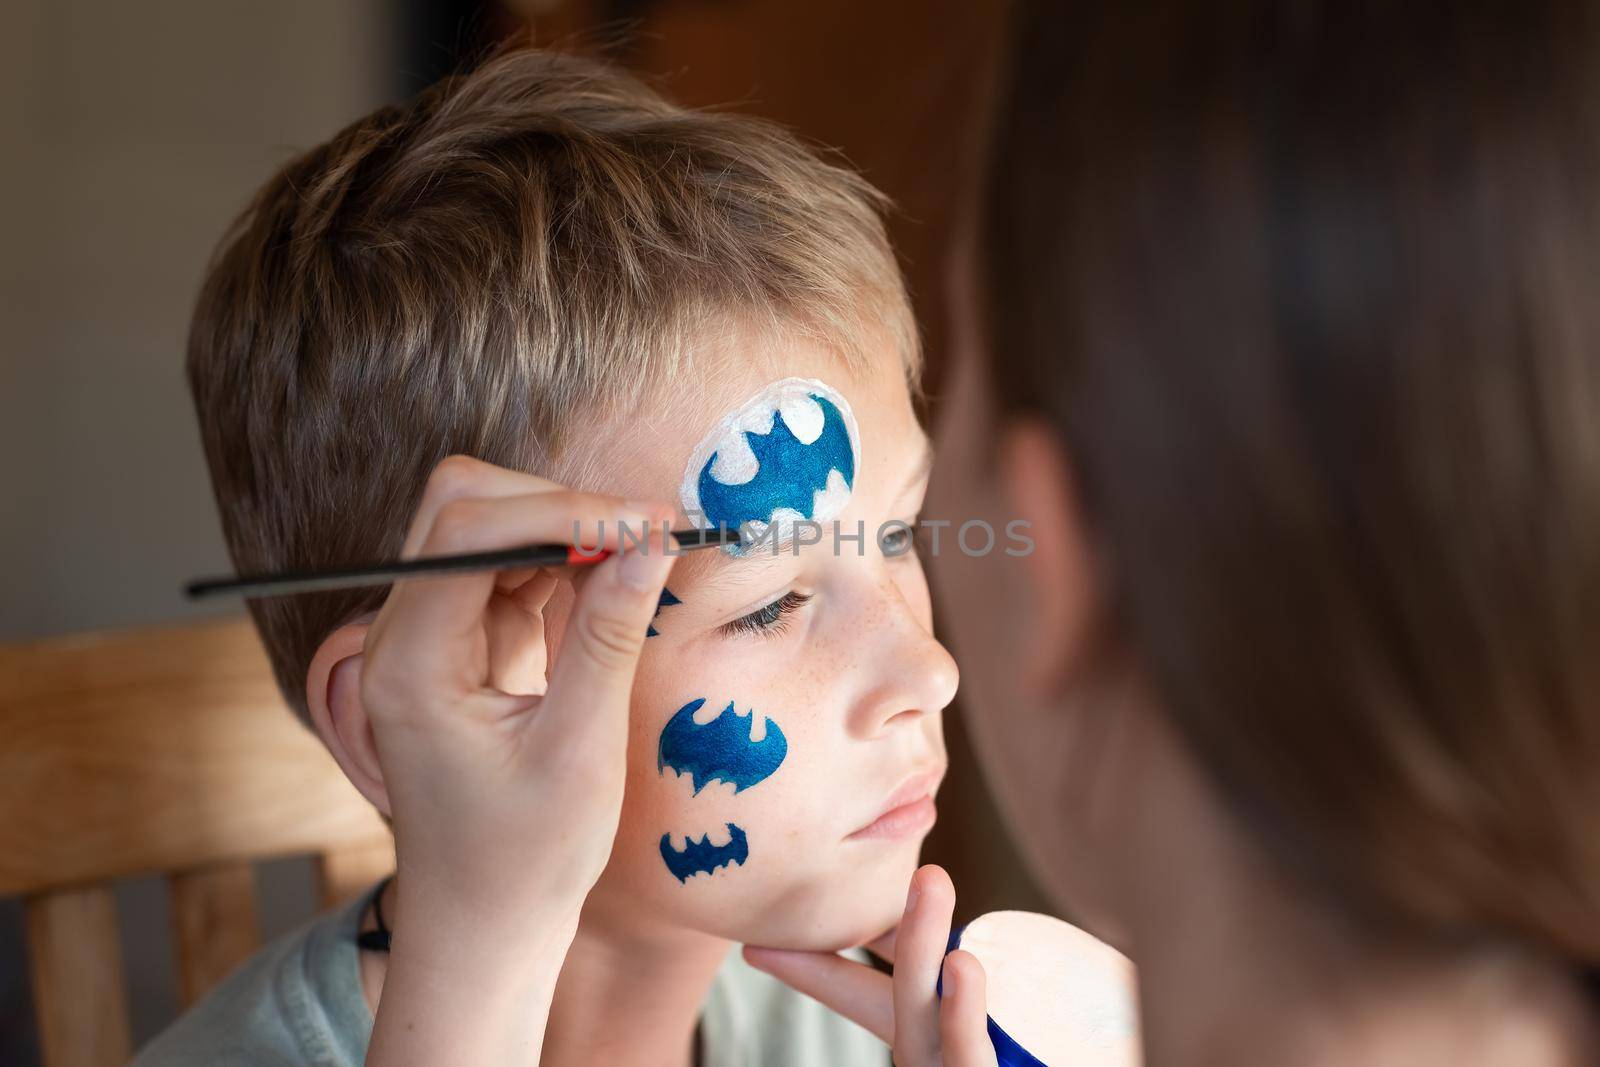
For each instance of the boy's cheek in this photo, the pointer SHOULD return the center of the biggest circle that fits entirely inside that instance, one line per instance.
(773, 796)
(724, 817)
(785, 817)
(796, 884)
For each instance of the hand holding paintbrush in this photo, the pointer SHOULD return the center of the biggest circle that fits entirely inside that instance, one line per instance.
(287, 583)
(505, 788)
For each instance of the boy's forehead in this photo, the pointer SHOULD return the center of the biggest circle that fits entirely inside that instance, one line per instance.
(645, 455)
(647, 461)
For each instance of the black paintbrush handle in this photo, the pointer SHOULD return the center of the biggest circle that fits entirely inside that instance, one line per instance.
(286, 583)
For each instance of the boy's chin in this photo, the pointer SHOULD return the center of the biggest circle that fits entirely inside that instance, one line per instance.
(830, 918)
(845, 937)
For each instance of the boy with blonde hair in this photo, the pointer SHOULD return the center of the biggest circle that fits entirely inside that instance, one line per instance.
(533, 302)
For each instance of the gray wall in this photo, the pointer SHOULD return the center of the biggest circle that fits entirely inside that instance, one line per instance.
(133, 133)
(129, 135)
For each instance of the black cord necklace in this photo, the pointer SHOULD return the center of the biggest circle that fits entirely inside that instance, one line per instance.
(376, 940)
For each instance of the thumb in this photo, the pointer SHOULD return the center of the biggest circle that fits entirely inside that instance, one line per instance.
(600, 651)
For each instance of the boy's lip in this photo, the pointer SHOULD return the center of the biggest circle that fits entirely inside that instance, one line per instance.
(907, 810)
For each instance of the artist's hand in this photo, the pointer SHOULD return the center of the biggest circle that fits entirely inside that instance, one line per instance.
(905, 1011)
(505, 793)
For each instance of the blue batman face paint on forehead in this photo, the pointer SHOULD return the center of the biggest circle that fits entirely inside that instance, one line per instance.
(721, 749)
(790, 453)
(789, 473)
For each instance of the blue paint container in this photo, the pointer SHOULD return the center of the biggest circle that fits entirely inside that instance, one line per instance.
(1058, 997)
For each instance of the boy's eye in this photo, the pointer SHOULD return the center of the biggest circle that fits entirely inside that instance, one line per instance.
(769, 619)
(897, 540)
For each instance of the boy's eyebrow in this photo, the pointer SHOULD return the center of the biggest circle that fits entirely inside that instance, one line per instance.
(711, 571)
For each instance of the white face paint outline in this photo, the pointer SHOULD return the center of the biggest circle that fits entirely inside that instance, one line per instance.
(736, 464)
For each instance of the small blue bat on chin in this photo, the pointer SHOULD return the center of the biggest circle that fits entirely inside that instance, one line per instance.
(721, 750)
(702, 857)
(789, 472)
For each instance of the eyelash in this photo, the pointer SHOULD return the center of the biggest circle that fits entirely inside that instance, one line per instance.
(773, 618)
(769, 620)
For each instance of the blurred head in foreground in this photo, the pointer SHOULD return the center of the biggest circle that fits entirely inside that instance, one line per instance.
(1293, 360)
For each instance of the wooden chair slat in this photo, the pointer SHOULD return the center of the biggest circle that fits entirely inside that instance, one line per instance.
(214, 925)
(76, 960)
(162, 749)
(342, 873)
(159, 750)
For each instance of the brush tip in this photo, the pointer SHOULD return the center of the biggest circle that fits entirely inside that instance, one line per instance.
(706, 538)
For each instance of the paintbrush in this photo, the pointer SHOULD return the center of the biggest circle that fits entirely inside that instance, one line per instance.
(287, 583)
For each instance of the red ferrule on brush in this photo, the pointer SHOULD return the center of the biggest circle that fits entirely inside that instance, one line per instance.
(582, 557)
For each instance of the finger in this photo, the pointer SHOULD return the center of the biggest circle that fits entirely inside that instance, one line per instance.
(556, 516)
(884, 946)
(964, 1013)
(457, 477)
(919, 949)
(515, 626)
(533, 592)
(592, 677)
(852, 989)
(429, 618)
(515, 646)
(508, 581)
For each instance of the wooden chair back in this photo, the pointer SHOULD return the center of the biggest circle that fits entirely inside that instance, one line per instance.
(162, 750)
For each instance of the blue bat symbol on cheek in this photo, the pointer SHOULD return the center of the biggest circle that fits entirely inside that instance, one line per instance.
(721, 750)
(702, 857)
(789, 473)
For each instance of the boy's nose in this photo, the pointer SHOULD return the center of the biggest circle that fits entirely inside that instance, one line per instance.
(912, 674)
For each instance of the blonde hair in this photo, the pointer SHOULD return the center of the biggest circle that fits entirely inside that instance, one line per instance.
(482, 270)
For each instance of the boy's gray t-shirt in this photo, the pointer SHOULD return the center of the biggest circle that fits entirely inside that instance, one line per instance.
(298, 1003)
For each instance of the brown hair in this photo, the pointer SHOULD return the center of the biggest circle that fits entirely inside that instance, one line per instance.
(1307, 290)
(482, 270)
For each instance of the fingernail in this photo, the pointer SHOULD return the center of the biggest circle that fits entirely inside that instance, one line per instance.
(911, 897)
(947, 979)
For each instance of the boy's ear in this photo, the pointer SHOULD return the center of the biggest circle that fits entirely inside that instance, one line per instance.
(333, 697)
(1040, 488)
